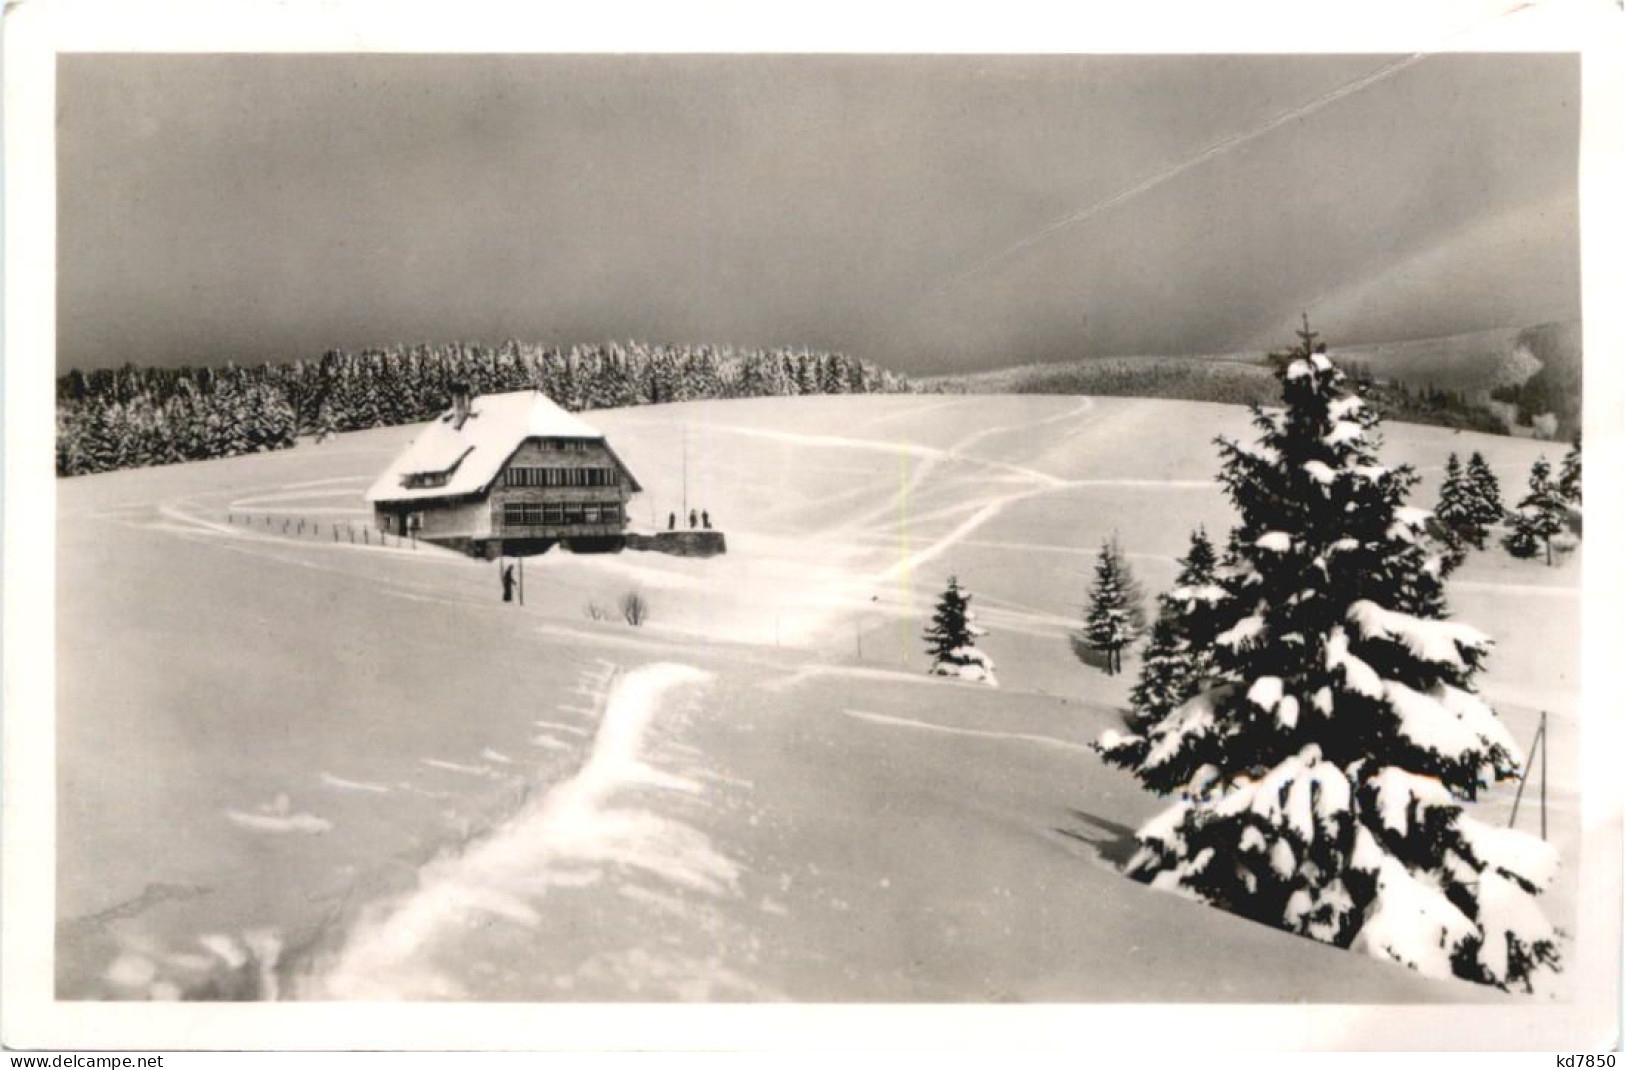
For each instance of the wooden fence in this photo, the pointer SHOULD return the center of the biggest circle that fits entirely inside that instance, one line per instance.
(297, 527)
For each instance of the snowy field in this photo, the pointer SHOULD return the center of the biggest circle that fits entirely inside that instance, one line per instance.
(293, 766)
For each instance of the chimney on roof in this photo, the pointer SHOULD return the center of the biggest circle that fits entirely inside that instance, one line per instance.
(462, 399)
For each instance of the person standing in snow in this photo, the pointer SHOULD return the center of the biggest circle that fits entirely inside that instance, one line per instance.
(693, 520)
(705, 518)
(671, 522)
(507, 584)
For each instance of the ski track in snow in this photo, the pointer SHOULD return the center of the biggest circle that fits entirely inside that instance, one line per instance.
(1022, 620)
(290, 495)
(1038, 482)
(392, 952)
(908, 722)
(1520, 589)
(910, 449)
(301, 822)
(458, 767)
(1084, 407)
(326, 482)
(560, 726)
(990, 509)
(343, 784)
(865, 672)
(1052, 548)
(309, 510)
(917, 410)
(909, 562)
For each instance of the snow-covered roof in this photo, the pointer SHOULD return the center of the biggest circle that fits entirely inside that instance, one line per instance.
(471, 456)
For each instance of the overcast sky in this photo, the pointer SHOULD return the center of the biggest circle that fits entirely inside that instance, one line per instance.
(912, 210)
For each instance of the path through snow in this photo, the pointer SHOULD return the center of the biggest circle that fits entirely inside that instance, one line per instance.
(575, 835)
(928, 726)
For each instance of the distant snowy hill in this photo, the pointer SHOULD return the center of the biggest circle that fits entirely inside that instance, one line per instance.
(1515, 372)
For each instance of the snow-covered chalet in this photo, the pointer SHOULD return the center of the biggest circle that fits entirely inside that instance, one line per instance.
(506, 474)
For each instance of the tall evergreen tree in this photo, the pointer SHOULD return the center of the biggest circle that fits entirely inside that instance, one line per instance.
(1568, 478)
(807, 374)
(1488, 509)
(1459, 516)
(1177, 657)
(1115, 616)
(1539, 515)
(325, 425)
(1323, 768)
(70, 442)
(951, 639)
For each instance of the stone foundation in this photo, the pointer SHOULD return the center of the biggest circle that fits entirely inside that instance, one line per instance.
(680, 543)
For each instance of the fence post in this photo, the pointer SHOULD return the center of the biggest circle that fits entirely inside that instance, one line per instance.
(1539, 743)
(1545, 745)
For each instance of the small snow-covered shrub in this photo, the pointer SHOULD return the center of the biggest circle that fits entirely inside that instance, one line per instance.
(967, 663)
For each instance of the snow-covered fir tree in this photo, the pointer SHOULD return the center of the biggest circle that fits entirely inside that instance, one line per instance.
(1488, 507)
(1324, 770)
(1568, 475)
(1539, 516)
(1469, 504)
(325, 425)
(951, 639)
(70, 441)
(1115, 616)
(1459, 516)
(1178, 656)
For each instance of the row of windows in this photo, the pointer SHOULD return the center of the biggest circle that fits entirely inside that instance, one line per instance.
(562, 477)
(556, 513)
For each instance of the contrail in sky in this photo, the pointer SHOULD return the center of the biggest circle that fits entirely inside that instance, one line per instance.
(1218, 148)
